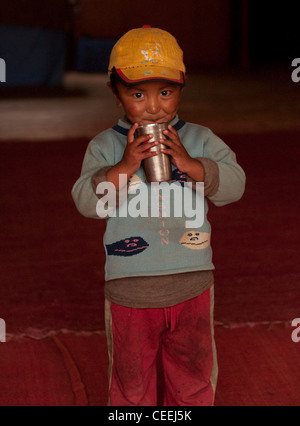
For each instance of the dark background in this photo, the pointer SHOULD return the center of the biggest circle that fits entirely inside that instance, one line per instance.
(213, 34)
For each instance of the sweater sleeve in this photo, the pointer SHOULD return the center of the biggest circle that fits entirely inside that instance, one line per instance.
(211, 176)
(83, 192)
(232, 179)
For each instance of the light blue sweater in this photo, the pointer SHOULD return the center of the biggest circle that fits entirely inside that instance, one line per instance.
(150, 246)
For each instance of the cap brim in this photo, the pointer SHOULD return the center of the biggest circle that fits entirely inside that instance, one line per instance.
(132, 76)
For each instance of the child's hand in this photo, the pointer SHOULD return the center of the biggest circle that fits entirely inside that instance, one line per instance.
(180, 157)
(137, 150)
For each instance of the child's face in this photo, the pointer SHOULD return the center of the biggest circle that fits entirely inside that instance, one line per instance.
(151, 102)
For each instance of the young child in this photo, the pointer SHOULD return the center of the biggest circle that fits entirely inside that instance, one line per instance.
(159, 274)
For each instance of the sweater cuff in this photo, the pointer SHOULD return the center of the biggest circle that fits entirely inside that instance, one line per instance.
(211, 176)
(99, 177)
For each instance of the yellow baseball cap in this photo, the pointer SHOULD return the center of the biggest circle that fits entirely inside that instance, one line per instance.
(147, 54)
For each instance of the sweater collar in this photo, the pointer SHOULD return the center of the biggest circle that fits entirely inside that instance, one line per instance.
(123, 126)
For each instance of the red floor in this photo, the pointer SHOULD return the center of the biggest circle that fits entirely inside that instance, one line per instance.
(52, 279)
(259, 366)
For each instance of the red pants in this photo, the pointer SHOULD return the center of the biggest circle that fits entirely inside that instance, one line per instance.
(185, 333)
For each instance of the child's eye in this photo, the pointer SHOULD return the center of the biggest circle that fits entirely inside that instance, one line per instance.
(138, 95)
(165, 92)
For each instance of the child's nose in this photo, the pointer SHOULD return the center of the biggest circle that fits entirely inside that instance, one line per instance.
(153, 106)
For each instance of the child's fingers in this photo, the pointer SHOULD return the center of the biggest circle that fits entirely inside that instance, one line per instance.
(130, 137)
(146, 146)
(143, 139)
(172, 134)
(168, 142)
(172, 130)
(150, 154)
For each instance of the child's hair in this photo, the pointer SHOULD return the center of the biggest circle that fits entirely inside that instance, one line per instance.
(113, 82)
(114, 79)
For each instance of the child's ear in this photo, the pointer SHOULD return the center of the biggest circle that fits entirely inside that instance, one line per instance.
(115, 93)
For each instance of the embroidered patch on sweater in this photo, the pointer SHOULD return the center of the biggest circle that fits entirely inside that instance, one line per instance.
(178, 176)
(195, 240)
(128, 247)
(133, 183)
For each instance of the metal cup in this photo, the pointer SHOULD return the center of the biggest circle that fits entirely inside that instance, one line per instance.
(158, 168)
